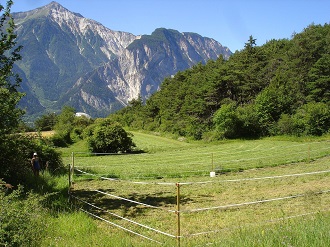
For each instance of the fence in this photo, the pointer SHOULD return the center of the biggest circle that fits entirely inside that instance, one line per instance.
(199, 161)
(176, 225)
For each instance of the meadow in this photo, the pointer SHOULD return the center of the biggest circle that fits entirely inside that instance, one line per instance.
(268, 192)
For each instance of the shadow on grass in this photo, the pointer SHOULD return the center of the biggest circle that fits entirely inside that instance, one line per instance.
(132, 152)
(128, 206)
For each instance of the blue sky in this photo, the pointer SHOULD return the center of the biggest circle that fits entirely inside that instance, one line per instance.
(229, 22)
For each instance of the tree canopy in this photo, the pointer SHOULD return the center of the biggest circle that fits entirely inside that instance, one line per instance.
(248, 95)
(106, 136)
(9, 81)
(16, 149)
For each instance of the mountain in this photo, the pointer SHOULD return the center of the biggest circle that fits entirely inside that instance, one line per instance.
(72, 60)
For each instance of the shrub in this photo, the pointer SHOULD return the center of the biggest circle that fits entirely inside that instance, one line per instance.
(285, 125)
(109, 137)
(317, 118)
(312, 119)
(59, 140)
(22, 219)
(248, 124)
(226, 120)
(17, 150)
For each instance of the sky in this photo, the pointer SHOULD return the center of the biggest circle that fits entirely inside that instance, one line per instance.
(229, 22)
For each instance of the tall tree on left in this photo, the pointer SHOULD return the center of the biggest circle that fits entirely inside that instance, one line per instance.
(12, 152)
(9, 81)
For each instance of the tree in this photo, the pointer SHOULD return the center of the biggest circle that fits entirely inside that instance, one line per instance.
(109, 137)
(9, 96)
(226, 120)
(15, 149)
(319, 76)
(266, 84)
(64, 127)
(250, 44)
(46, 122)
(9, 81)
(312, 119)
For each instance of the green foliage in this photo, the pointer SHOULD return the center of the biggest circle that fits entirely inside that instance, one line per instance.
(9, 82)
(16, 149)
(270, 86)
(249, 124)
(313, 118)
(268, 110)
(80, 124)
(46, 122)
(23, 219)
(108, 137)
(226, 120)
(64, 127)
(319, 83)
(69, 128)
(15, 166)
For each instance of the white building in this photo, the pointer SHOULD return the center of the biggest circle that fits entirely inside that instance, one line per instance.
(80, 114)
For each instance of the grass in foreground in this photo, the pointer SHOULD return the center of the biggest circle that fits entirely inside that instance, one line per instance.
(171, 161)
(220, 191)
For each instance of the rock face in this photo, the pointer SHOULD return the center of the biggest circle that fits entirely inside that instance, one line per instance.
(71, 60)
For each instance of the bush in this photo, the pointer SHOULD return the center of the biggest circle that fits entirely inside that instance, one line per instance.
(248, 124)
(59, 140)
(22, 218)
(17, 150)
(317, 118)
(285, 125)
(109, 137)
(226, 121)
(312, 119)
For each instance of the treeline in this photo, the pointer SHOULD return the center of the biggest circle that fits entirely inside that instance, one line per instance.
(279, 88)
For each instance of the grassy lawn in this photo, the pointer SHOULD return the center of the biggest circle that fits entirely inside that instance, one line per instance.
(245, 174)
(168, 158)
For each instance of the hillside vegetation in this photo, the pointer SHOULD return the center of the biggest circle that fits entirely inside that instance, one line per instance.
(281, 87)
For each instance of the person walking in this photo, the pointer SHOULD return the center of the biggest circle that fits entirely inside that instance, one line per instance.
(35, 164)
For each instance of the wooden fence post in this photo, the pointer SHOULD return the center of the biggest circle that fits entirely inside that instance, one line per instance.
(69, 180)
(178, 235)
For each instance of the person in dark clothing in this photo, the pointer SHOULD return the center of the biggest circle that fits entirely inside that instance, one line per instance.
(35, 164)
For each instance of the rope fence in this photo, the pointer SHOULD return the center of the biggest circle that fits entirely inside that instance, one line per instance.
(305, 155)
(178, 211)
(204, 182)
(251, 203)
(257, 156)
(119, 226)
(126, 219)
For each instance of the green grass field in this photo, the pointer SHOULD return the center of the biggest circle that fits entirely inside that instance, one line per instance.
(168, 158)
(213, 210)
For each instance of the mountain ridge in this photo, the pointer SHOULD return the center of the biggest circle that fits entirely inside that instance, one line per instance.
(76, 61)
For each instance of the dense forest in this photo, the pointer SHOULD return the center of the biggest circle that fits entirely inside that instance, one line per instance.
(281, 87)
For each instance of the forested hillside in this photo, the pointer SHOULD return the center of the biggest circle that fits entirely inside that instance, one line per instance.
(281, 87)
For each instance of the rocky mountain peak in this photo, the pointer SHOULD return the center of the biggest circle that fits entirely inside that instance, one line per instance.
(76, 61)
(54, 6)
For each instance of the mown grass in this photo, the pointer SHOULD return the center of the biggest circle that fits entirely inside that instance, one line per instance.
(168, 158)
(170, 161)
(220, 191)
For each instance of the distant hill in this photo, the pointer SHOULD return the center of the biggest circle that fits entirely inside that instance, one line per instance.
(75, 61)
